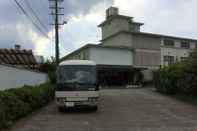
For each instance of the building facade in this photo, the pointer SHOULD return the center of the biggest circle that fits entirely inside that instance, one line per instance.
(124, 48)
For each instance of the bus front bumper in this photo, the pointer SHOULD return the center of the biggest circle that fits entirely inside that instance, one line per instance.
(71, 104)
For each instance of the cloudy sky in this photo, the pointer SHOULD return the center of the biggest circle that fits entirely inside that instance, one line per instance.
(171, 17)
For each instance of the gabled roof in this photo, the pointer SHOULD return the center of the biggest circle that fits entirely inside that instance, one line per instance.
(17, 57)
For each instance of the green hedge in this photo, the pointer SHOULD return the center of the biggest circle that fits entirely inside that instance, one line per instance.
(178, 78)
(16, 103)
(167, 78)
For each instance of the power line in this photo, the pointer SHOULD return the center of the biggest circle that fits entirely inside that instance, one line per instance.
(29, 17)
(36, 16)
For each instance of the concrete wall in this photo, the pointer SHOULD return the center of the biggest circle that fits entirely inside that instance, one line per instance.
(115, 26)
(120, 40)
(141, 41)
(111, 56)
(147, 50)
(147, 58)
(14, 77)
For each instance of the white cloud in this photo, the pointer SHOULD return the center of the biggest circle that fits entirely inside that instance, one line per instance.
(163, 16)
(82, 29)
(41, 43)
(160, 16)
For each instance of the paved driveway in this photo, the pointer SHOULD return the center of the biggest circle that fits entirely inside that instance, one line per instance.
(120, 110)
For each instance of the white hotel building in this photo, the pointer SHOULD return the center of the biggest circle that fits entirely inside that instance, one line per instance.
(125, 51)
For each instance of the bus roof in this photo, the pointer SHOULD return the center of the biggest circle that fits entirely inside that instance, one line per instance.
(77, 62)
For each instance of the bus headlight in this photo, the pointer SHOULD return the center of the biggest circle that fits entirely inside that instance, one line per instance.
(61, 100)
(92, 99)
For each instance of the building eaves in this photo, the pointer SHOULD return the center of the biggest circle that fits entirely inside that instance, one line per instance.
(137, 23)
(150, 34)
(75, 52)
(164, 36)
(91, 46)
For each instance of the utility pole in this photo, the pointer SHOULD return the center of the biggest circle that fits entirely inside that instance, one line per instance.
(56, 33)
(55, 12)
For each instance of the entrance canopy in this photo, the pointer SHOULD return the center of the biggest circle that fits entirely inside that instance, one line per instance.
(115, 75)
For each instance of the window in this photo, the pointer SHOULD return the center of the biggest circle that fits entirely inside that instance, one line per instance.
(168, 43)
(185, 44)
(169, 60)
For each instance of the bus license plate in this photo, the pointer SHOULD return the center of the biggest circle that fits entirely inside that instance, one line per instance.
(69, 104)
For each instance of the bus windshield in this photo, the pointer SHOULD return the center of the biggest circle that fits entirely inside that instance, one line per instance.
(82, 77)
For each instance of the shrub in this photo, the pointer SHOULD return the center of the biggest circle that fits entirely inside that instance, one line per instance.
(16, 103)
(167, 78)
(49, 67)
(52, 77)
(178, 78)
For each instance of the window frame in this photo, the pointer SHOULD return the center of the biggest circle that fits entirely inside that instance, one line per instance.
(169, 59)
(183, 43)
(169, 43)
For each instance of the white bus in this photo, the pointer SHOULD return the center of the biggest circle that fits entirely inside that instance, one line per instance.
(77, 84)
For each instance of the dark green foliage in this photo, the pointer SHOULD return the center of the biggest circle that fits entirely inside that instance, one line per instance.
(16, 103)
(49, 68)
(52, 76)
(178, 78)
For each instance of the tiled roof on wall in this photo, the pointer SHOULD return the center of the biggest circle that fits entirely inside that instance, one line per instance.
(24, 58)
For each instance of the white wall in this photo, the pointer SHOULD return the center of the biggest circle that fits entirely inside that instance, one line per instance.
(14, 77)
(175, 51)
(111, 56)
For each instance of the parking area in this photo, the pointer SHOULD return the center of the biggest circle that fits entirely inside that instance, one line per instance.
(119, 110)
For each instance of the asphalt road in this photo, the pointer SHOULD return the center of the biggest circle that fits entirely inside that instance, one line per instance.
(119, 110)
